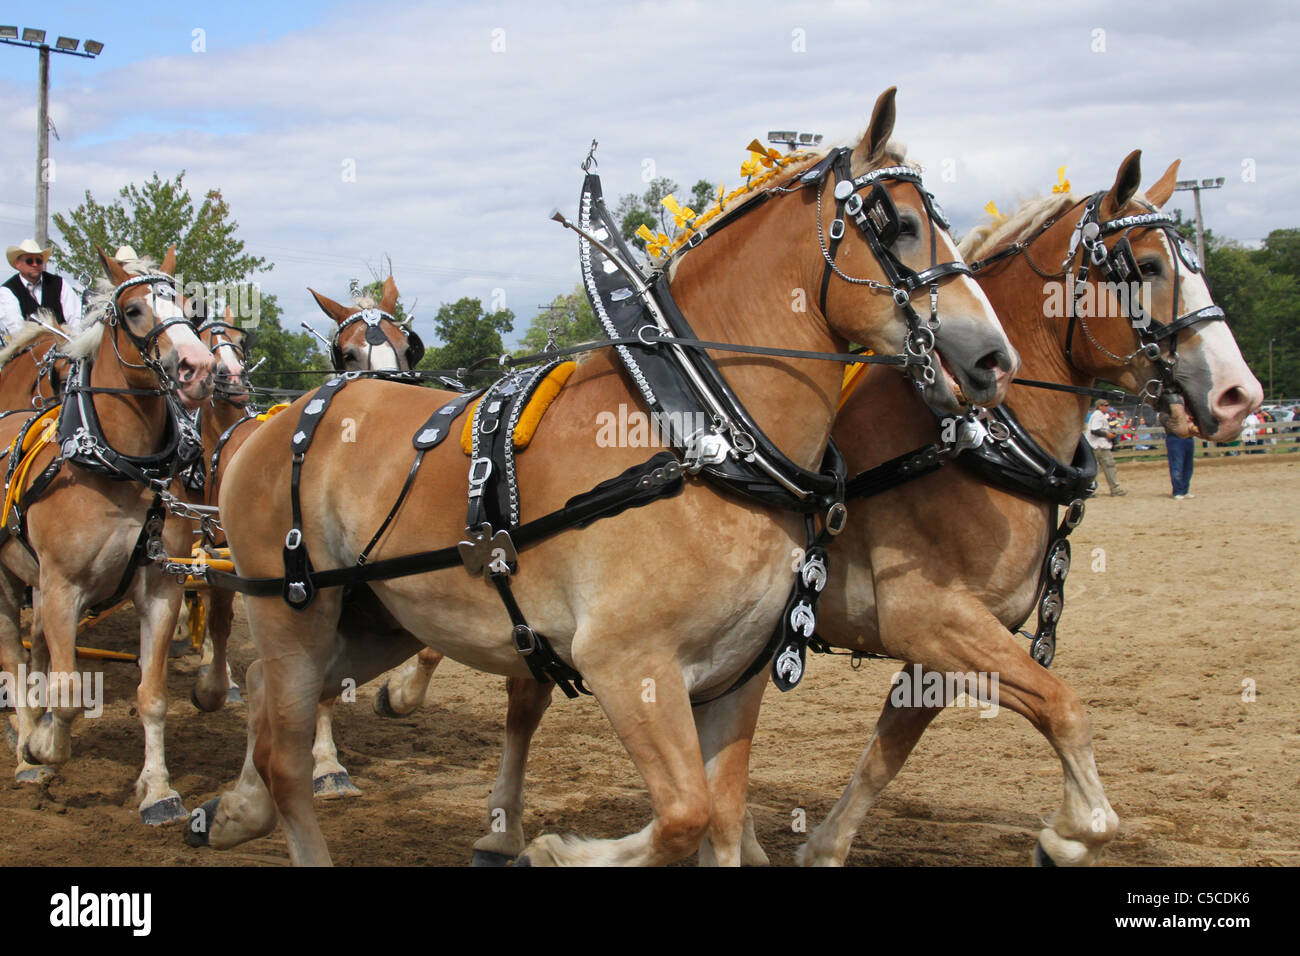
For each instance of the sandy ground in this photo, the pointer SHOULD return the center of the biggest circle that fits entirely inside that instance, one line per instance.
(1196, 597)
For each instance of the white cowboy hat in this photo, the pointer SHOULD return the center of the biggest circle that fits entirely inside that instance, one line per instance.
(124, 253)
(27, 247)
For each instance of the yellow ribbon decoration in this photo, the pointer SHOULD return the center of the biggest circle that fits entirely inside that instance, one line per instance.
(766, 156)
(1062, 184)
(680, 215)
(992, 210)
(752, 165)
(654, 245)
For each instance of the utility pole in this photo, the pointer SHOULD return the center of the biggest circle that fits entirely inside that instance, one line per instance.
(35, 40)
(1196, 186)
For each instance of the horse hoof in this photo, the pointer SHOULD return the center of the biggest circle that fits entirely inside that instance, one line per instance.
(1041, 858)
(384, 706)
(166, 810)
(489, 858)
(337, 784)
(196, 833)
(179, 648)
(521, 860)
(33, 775)
(233, 696)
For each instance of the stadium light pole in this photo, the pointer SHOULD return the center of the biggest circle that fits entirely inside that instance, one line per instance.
(1196, 185)
(792, 140)
(34, 39)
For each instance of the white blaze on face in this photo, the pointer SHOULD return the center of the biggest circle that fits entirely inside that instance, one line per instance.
(383, 358)
(1233, 389)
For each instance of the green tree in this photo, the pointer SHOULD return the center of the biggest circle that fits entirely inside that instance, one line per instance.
(647, 209)
(572, 318)
(151, 218)
(467, 334)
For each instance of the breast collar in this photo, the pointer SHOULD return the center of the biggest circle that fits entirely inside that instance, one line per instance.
(82, 442)
(1008, 457)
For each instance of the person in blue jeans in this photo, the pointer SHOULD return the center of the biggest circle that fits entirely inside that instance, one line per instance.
(1179, 451)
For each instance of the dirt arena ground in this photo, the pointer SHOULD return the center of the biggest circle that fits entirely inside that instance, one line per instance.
(1197, 596)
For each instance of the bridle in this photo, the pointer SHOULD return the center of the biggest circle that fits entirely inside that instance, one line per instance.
(1119, 266)
(375, 336)
(221, 334)
(162, 286)
(878, 220)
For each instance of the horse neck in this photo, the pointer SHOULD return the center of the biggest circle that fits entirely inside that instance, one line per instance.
(218, 415)
(132, 424)
(1054, 419)
(741, 286)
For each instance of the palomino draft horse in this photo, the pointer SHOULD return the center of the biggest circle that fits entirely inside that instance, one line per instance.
(31, 371)
(654, 604)
(939, 570)
(366, 337)
(88, 504)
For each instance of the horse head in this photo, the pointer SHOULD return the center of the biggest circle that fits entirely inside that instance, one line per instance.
(230, 345)
(1134, 308)
(957, 350)
(144, 317)
(367, 336)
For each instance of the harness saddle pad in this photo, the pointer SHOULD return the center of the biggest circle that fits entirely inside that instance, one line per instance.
(543, 393)
(27, 444)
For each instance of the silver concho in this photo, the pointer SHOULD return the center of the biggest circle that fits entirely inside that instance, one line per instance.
(814, 573)
(788, 666)
(802, 619)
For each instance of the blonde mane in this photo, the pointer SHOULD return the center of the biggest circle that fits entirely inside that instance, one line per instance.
(1021, 224)
(27, 333)
(99, 303)
(789, 166)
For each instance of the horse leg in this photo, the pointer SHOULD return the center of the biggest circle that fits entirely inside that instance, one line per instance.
(246, 811)
(213, 687)
(726, 730)
(897, 731)
(650, 709)
(972, 640)
(403, 692)
(159, 602)
(329, 778)
(49, 741)
(14, 662)
(505, 839)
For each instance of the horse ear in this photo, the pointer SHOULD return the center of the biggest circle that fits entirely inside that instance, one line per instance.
(388, 299)
(1159, 194)
(228, 317)
(872, 148)
(1127, 181)
(331, 308)
(169, 261)
(112, 268)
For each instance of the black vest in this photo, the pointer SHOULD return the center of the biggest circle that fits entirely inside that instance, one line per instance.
(51, 292)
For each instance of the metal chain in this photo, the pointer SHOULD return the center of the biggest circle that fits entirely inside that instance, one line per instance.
(871, 284)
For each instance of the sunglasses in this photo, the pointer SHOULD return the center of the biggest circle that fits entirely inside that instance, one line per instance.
(33, 261)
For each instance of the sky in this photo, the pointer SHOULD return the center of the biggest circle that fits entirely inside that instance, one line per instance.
(441, 135)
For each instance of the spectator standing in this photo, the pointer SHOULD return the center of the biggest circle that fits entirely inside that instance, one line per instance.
(1181, 452)
(1101, 438)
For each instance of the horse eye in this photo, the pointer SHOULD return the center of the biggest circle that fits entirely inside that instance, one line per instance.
(1149, 268)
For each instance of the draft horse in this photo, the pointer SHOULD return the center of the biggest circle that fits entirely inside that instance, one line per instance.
(84, 513)
(653, 605)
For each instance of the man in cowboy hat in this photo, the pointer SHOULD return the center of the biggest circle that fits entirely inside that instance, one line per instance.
(32, 288)
(1100, 436)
